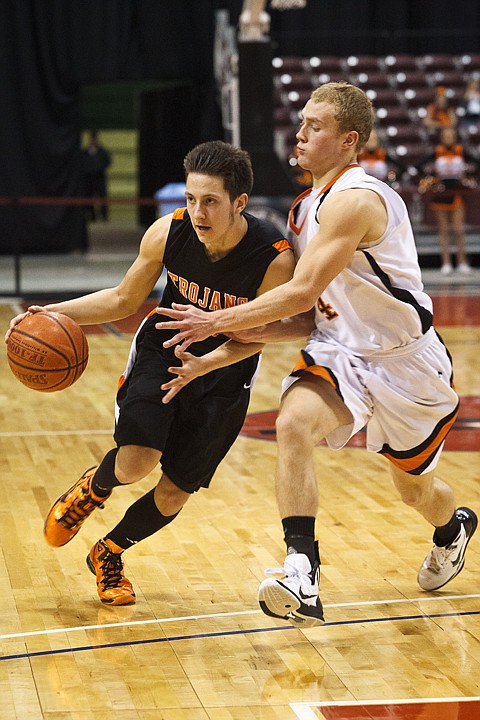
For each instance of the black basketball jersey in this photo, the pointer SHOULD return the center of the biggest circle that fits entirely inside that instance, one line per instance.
(192, 278)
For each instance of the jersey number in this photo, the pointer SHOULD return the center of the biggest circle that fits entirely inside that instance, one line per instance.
(326, 309)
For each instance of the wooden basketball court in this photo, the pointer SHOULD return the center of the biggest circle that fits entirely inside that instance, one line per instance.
(196, 646)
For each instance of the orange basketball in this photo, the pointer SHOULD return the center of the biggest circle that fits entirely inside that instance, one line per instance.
(47, 351)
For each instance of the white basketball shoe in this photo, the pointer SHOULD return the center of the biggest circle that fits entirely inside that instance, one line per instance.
(294, 597)
(442, 564)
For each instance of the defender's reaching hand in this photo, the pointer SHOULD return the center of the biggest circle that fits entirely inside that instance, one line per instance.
(193, 324)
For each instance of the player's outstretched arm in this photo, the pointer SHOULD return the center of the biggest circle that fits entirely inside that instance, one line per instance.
(193, 366)
(348, 218)
(124, 299)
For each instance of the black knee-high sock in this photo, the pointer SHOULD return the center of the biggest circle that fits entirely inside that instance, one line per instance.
(446, 534)
(300, 535)
(104, 479)
(141, 520)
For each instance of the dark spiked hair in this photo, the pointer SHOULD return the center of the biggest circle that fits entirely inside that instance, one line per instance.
(220, 159)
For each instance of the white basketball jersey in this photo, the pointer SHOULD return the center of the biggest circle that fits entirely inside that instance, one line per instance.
(377, 303)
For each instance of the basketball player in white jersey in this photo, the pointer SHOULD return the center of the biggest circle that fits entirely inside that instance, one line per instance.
(373, 360)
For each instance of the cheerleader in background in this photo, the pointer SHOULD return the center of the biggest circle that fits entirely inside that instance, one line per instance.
(447, 185)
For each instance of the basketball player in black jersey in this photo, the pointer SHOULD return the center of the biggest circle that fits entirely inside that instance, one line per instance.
(216, 255)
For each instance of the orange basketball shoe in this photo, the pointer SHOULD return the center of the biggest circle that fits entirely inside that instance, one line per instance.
(68, 513)
(105, 561)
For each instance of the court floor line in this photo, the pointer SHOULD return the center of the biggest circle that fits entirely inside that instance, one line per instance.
(184, 618)
(53, 433)
(227, 633)
(403, 701)
(303, 710)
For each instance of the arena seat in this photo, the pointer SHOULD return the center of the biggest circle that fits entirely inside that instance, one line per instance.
(329, 76)
(294, 80)
(383, 97)
(447, 78)
(417, 97)
(393, 115)
(404, 134)
(469, 63)
(370, 79)
(396, 63)
(411, 153)
(325, 63)
(411, 79)
(288, 64)
(296, 99)
(434, 62)
(361, 63)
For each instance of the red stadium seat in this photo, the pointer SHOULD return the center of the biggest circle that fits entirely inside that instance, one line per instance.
(361, 63)
(469, 63)
(393, 115)
(383, 97)
(325, 63)
(411, 79)
(288, 64)
(296, 99)
(370, 79)
(417, 97)
(434, 62)
(401, 134)
(329, 76)
(294, 80)
(396, 63)
(411, 153)
(447, 78)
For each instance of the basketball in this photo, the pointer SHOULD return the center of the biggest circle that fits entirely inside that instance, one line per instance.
(47, 351)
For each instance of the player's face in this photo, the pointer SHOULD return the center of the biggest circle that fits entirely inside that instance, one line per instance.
(211, 210)
(320, 146)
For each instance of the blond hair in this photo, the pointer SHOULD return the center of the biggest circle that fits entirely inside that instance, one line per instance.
(353, 109)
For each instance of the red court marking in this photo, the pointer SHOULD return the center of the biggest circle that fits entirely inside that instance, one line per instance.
(456, 311)
(435, 710)
(465, 434)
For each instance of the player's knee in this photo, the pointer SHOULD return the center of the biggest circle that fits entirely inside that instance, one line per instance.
(414, 495)
(134, 463)
(169, 498)
(290, 425)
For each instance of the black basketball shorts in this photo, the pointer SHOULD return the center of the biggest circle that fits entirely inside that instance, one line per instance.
(196, 429)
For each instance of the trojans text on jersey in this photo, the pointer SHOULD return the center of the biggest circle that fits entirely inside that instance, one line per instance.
(206, 298)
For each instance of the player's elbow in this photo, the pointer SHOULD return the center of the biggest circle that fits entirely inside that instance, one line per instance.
(303, 301)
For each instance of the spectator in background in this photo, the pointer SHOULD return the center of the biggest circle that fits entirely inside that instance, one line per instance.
(471, 104)
(447, 183)
(96, 160)
(375, 160)
(439, 113)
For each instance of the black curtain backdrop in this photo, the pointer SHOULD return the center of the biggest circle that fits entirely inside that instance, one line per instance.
(50, 48)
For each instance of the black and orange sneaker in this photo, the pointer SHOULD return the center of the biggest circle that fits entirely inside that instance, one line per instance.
(105, 561)
(67, 514)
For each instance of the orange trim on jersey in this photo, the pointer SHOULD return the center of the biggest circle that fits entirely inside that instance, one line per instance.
(179, 213)
(297, 200)
(282, 245)
(412, 463)
(121, 381)
(317, 370)
(298, 229)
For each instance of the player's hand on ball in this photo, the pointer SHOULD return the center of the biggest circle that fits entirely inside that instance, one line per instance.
(18, 318)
